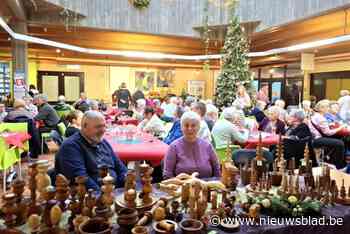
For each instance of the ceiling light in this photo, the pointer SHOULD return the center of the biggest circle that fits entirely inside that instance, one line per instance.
(58, 51)
(150, 55)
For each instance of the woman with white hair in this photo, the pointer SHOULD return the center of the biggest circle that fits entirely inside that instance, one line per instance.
(272, 123)
(225, 131)
(189, 153)
(344, 107)
(297, 126)
(30, 106)
(298, 135)
(324, 136)
(212, 113)
(139, 110)
(281, 105)
(306, 105)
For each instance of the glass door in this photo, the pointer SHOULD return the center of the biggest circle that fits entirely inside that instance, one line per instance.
(53, 84)
(50, 87)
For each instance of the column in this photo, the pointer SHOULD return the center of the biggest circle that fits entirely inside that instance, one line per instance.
(19, 59)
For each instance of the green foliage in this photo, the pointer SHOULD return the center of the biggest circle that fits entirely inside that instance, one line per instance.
(235, 65)
(280, 206)
(140, 4)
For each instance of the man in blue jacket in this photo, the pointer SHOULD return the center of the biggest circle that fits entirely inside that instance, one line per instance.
(85, 151)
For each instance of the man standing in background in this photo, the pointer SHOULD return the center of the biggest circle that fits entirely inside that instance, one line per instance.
(122, 97)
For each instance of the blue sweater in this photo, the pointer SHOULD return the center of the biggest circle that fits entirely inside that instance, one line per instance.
(174, 133)
(77, 157)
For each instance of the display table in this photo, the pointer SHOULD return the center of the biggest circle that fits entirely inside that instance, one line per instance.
(267, 140)
(336, 211)
(144, 147)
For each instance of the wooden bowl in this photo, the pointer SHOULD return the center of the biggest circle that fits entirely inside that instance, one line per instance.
(159, 230)
(127, 217)
(95, 226)
(229, 227)
(191, 226)
(140, 230)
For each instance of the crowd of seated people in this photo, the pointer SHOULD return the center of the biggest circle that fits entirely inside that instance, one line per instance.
(194, 129)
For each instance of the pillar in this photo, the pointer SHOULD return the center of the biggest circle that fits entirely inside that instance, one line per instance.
(306, 91)
(19, 59)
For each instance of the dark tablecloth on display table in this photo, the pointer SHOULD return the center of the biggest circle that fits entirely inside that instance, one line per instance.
(336, 211)
(145, 147)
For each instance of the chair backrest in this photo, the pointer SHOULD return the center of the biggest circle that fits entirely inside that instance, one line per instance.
(14, 127)
(62, 128)
(62, 113)
(221, 152)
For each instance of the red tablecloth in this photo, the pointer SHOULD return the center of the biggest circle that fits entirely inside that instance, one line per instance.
(266, 141)
(149, 148)
(131, 121)
(16, 138)
(342, 133)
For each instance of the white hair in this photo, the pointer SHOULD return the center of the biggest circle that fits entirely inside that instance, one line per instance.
(190, 116)
(61, 98)
(209, 102)
(298, 114)
(212, 109)
(94, 103)
(274, 109)
(231, 113)
(141, 103)
(344, 92)
(306, 103)
(280, 103)
(42, 97)
(157, 102)
(89, 115)
(173, 100)
(228, 112)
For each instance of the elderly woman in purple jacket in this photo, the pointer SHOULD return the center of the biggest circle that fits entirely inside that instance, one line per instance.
(190, 153)
(272, 123)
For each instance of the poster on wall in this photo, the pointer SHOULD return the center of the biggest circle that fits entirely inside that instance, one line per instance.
(165, 78)
(19, 89)
(144, 80)
(196, 88)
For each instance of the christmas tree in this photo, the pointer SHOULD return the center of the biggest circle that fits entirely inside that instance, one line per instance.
(235, 66)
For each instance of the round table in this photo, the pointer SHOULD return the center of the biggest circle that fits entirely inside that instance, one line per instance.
(267, 140)
(144, 147)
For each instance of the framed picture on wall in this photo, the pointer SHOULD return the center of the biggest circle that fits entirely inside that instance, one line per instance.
(165, 78)
(144, 80)
(196, 88)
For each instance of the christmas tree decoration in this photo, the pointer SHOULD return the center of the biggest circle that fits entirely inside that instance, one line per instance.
(235, 65)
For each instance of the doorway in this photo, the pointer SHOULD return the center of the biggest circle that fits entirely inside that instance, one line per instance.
(328, 85)
(53, 84)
